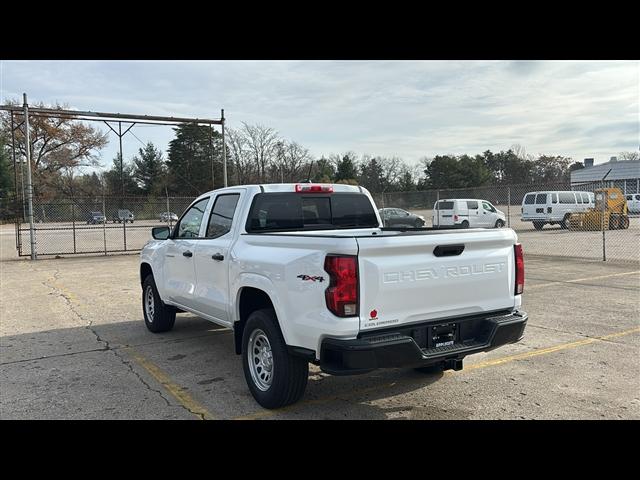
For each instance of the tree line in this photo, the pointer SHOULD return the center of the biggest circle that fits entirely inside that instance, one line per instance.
(62, 147)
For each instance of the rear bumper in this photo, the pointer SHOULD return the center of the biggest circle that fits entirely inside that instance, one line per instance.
(412, 345)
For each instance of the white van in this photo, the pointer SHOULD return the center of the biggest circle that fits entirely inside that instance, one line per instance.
(554, 207)
(467, 212)
(633, 202)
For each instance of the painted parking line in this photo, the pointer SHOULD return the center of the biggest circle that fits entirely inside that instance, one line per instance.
(575, 280)
(175, 390)
(476, 366)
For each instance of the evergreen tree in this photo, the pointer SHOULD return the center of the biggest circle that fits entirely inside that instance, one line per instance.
(114, 183)
(346, 168)
(148, 169)
(6, 175)
(190, 158)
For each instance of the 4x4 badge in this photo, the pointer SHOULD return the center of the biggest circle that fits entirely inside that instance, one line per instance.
(313, 278)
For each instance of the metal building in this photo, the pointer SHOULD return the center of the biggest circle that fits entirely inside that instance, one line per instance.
(624, 174)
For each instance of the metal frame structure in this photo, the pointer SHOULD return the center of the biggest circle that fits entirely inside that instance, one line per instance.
(90, 116)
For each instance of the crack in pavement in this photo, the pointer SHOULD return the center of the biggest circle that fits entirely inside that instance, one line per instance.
(107, 347)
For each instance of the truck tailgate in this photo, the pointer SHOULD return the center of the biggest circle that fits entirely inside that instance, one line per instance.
(403, 281)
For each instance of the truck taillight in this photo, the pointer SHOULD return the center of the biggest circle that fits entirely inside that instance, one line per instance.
(342, 293)
(313, 188)
(455, 218)
(519, 268)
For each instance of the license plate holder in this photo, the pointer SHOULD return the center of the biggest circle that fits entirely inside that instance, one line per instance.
(444, 335)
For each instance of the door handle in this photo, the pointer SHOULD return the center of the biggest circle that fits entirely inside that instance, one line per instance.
(187, 253)
(219, 257)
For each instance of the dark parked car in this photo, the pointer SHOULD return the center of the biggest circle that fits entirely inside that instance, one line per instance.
(123, 216)
(96, 217)
(396, 217)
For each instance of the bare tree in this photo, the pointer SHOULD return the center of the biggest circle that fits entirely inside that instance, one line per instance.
(261, 143)
(296, 158)
(241, 156)
(629, 156)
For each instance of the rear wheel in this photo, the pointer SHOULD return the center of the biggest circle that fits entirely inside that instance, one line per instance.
(464, 224)
(275, 378)
(158, 317)
(538, 225)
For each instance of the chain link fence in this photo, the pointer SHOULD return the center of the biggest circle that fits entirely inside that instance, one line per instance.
(94, 224)
(541, 222)
(104, 225)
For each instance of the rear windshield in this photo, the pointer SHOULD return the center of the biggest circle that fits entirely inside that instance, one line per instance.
(445, 205)
(297, 211)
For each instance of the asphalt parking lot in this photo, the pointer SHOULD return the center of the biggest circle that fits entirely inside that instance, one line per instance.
(73, 345)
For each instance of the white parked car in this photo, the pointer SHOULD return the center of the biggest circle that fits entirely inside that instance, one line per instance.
(467, 213)
(554, 207)
(305, 274)
(633, 202)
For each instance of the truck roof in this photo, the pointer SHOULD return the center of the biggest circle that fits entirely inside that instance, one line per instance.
(288, 187)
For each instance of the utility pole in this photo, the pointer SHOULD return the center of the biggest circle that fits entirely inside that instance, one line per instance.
(224, 152)
(32, 231)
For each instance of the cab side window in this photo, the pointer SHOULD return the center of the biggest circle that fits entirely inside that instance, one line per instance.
(189, 226)
(221, 217)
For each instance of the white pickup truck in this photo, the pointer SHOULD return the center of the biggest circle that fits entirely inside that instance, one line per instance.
(306, 273)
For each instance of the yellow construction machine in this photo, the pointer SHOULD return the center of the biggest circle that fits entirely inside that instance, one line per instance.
(610, 212)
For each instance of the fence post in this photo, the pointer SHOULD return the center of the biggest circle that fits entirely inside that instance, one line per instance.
(104, 224)
(438, 206)
(604, 250)
(124, 232)
(509, 207)
(73, 219)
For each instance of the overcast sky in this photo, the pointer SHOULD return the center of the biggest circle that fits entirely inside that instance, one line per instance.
(409, 109)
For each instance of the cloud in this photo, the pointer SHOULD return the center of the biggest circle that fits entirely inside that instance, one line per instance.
(409, 109)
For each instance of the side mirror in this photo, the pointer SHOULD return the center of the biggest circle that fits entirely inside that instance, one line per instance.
(160, 233)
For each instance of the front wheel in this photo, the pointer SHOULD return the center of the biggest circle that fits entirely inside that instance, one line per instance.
(275, 378)
(158, 317)
(565, 221)
(499, 223)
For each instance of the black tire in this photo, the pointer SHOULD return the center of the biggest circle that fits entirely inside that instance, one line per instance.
(538, 225)
(464, 224)
(499, 223)
(164, 316)
(565, 221)
(418, 224)
(289, 374)
(431, 369)
(624, 222)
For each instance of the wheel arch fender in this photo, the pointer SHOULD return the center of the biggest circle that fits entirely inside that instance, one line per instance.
(252, 292)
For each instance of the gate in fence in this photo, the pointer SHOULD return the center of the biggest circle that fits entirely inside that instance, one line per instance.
(98, 225)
